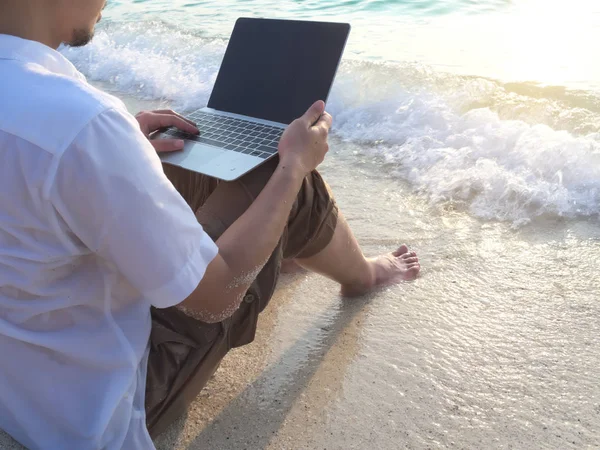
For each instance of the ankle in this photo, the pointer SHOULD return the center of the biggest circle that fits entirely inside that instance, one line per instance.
(363, 283)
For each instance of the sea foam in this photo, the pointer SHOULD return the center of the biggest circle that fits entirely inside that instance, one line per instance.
(509, 152)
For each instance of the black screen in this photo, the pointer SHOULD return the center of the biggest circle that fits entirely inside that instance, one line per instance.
(276, 69)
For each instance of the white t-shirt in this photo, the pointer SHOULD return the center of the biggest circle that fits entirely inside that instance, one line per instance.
(91, 235)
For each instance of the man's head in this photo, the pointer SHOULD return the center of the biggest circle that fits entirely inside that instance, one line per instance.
(51, 22)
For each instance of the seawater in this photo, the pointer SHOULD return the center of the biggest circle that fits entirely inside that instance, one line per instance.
(473, 103)
(467, 129)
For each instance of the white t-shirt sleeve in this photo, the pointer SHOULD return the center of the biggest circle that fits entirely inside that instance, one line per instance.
(110, 189)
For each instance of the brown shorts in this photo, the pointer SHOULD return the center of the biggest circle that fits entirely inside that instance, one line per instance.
(185, 352)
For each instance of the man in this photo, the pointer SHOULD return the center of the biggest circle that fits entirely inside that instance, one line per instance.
(123, 284)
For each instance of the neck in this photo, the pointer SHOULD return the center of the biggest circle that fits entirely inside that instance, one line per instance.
(22, 18)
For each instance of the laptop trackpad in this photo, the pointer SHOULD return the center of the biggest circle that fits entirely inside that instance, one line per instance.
(193, 156)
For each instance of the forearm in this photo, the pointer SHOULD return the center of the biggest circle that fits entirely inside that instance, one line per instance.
(245, 247)
(247, 244)
(250, 241)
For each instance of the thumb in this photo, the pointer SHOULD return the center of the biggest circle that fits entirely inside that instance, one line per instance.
(314, 113)
(167, 145)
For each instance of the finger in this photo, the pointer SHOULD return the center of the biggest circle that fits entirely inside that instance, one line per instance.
(314, 112)
(167, 145)
(169, 120)
(173, 113)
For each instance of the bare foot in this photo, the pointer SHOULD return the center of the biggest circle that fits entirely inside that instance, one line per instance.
(400, 265)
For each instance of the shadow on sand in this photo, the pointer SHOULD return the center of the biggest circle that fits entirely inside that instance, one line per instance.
(254, 417)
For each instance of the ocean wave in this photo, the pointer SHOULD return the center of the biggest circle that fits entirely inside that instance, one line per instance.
(152, 60)
(498, 169)
(508, 152)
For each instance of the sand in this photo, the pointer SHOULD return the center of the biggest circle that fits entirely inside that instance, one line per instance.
(497, 344)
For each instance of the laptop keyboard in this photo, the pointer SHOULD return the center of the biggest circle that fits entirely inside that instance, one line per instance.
(238, 135)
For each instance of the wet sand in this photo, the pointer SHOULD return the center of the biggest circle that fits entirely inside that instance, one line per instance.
(497, 345)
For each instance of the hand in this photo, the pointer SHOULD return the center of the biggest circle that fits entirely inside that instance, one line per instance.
(151, 121)
(304, 143)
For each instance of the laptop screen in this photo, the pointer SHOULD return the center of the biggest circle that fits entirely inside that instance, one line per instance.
(276, 69)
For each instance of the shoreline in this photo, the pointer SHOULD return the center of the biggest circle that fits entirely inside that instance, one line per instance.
(496, 345)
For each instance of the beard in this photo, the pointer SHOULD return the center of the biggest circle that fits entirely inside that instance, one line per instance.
(80, 38)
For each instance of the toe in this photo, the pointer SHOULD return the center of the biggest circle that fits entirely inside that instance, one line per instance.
(412, 272)
(401, 251)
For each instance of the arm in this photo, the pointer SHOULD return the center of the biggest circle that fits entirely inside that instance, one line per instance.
(302, 148)
(241, 258)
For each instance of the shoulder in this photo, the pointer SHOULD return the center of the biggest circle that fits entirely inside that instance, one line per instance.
(47, 109)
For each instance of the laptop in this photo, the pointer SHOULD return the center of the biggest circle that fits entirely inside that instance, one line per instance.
(272, 72)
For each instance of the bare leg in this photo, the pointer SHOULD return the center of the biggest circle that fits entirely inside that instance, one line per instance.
(343, 261)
